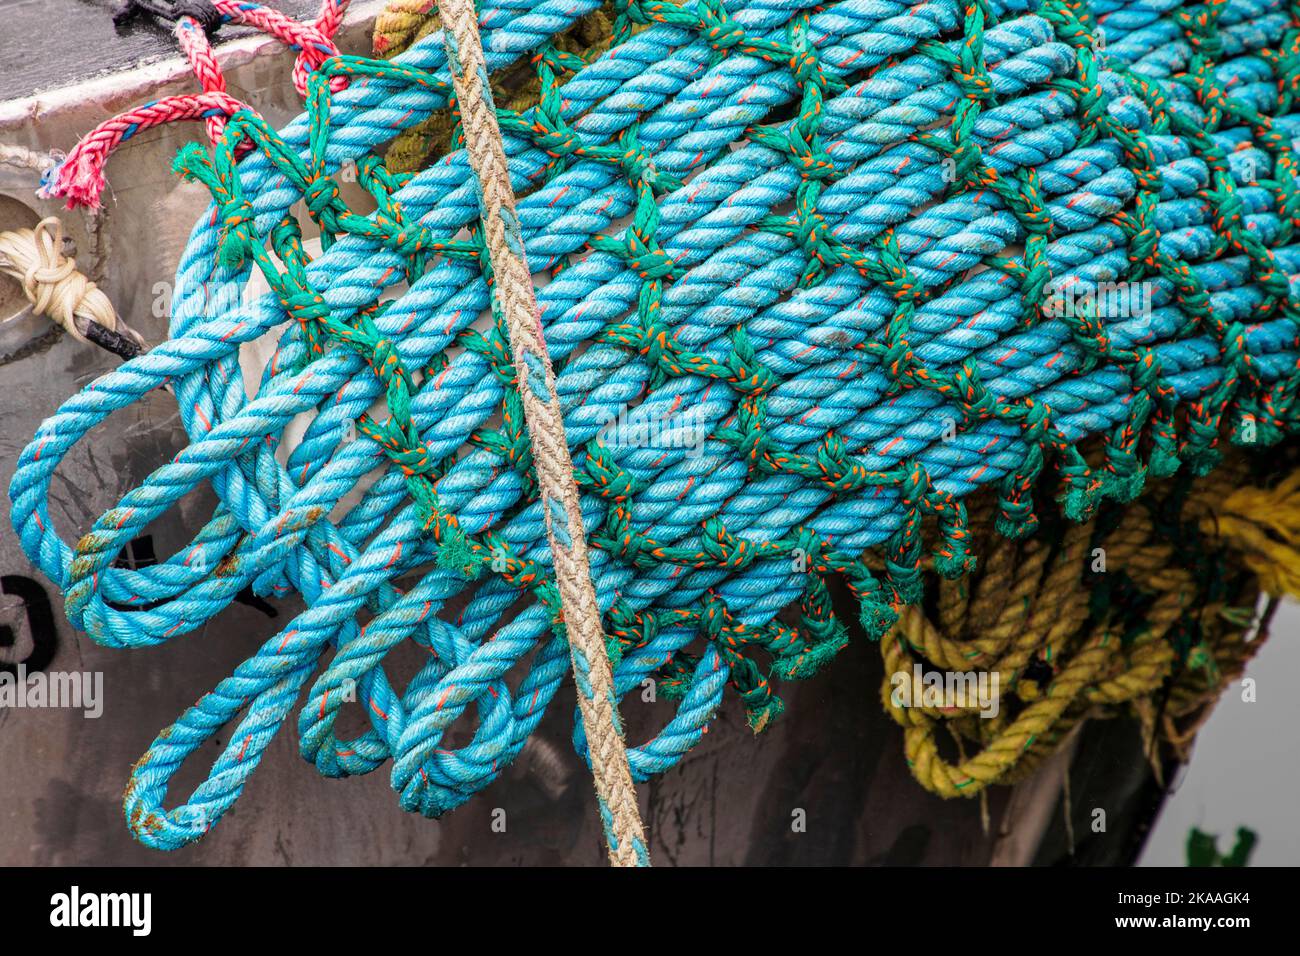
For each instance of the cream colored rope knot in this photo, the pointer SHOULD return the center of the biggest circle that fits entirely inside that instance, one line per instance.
(53, 284)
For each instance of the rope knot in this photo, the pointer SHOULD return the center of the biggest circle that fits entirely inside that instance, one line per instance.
(812, 547)
(720, 31)
(306, 306)
(56, 288)
(747, 375)
(620, 540)
(605, 476)
(750, 438)
(1201, 30)
(320, 194)
(728, 551)
(237, 221)
(840, 471)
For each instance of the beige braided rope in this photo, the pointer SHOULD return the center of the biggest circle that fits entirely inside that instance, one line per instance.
(513, 294)
(400, 23)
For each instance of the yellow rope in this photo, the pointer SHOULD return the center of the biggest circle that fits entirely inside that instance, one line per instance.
(1024, 620)
(404, 22)
(1264, 525)
(401, 23)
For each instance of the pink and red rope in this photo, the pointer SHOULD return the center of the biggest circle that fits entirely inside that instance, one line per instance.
(80, 178)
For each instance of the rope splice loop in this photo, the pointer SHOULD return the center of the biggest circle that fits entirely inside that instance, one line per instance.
(814, 276)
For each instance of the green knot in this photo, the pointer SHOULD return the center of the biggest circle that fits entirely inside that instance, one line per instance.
(728, 551)
(1253, 428)
(409, 241)
(560, 61)
(321, 196)
(829, 638)
(1200, 453)
(413, 460)
(456, 554)
(237, 219)
(1202, 461)
(749, 438)
(713, 617)
(720, 31)
(824, 630)
(605, 476)
(493, 346)
(1035, 282)
(813, 162)
(1286, 69)
(905, 579)
(876, 618)
(839, 470)
(810, 227)
(1092, 108)
(760, 714)
(1149, 180)
(747, 375)
(952, 557)
(1080, 500)
(897, 358)
(1032, 216)
(619, 539)
(1201, 29)
(306, 307)
(977, 401)
(1123, 487)
(636, 630)
(1164, 460)
(761, 705)
(808, 543)
(954, 562)
(1016, 519)
(639, 166)
(646, 262)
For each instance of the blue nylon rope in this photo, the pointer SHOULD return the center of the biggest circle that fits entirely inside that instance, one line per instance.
(691, 107)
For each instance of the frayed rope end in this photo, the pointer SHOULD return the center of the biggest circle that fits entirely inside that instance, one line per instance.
(77, 178)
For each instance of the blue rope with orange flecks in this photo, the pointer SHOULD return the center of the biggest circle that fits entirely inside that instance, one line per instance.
(852, 235)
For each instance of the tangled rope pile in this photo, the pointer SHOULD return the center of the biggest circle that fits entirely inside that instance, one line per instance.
(851, 230)
(1149, 606)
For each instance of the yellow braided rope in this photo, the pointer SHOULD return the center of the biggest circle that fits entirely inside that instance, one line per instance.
(401, 23)
(1029, 605)
(1264, 525)
(405, 22)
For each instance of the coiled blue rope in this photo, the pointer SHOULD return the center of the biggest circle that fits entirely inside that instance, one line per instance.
(278, 527)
